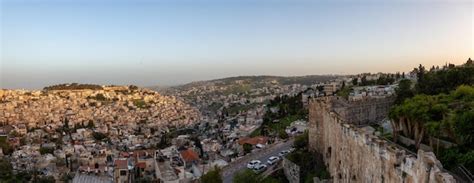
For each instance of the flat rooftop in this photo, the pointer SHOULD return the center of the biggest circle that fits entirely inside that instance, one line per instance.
(85, 178)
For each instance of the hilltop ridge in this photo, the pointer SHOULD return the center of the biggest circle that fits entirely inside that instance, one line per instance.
(250, 81)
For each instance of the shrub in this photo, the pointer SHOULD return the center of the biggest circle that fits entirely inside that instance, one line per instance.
(247, 148)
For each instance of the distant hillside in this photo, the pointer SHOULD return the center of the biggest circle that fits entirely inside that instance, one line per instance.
(158, 88)
(254, 81)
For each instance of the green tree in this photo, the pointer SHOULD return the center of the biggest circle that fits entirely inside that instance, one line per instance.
(46, 150)
(364, 81)
(144, 180)
(164, 142)
(140, 103)
(344, 92)
(444, 80)
(66, 125)
(133, 87)
(100, 97)
(5, 146)
(247, 148)
(282, 134)
(420, 75)
(355, 81)
(467, 159)
(301, 141)
(213, 176)
(446, 116)
(90, 124)
(320, 88)
(410, 117)
(99, 136)
(66, 177)
(246, 176)
(306, 161)
(6, 172)
(23, 176)
(464, 127)
(45, 179)
(403, 91)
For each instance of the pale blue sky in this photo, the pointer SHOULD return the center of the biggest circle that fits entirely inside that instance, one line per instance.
(166, 42)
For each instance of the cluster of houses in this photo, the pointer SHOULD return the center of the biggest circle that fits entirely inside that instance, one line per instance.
(48, 108)
(377, 91)
(61, 132)
(238, 113)
(79, 155)
(120, 135)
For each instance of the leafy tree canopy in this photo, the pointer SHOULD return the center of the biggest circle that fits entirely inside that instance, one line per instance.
(246, 176)
(213, 176)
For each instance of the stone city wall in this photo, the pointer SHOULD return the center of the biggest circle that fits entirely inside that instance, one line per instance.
(291, 170)
(362, 112)
(353, 155)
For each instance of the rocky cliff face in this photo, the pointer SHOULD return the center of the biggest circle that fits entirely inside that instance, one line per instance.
(111, 105)
(353, 155)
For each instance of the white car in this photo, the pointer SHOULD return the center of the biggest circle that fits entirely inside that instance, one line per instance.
(260, 168)
(252, 164)
(283, 153)
(272, 160)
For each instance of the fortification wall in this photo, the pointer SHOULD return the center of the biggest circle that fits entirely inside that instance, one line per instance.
(362, 112)
(291, 170)
(353, 155)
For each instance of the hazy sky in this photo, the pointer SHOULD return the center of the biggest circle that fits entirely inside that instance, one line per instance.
(163, 42)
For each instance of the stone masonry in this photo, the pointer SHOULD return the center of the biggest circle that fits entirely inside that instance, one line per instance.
(291, 170)
(362, 112)
(353, 155)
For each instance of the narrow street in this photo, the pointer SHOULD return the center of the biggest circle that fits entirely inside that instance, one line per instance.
(262, 155)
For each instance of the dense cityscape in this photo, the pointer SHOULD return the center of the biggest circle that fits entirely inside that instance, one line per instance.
(217, 129)
(236, 91)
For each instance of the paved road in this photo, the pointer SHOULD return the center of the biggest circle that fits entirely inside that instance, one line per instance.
(262, 155)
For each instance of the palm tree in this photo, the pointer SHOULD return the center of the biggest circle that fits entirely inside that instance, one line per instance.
(410, 118)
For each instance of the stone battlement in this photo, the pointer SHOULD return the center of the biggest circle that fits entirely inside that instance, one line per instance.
(355, 155)
(361, 112)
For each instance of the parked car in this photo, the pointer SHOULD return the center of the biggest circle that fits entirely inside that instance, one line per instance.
(252, 164)
(291, 150)
(273, 160)
(260, 168)
(283, 153)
